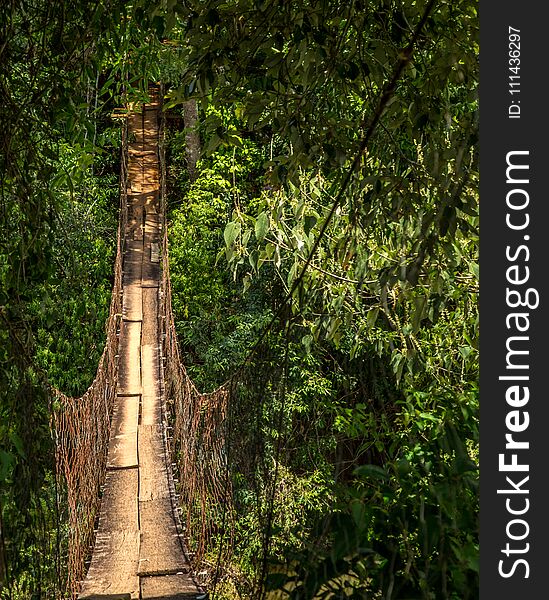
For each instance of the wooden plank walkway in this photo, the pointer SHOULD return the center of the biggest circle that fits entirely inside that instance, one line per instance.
(138, 553)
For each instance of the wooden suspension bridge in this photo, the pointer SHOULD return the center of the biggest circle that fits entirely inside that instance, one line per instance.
(139, 551)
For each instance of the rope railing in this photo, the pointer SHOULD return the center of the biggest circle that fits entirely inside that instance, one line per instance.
(81, 426)
(198, 445)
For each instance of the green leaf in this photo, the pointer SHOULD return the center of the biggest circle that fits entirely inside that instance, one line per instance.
(420, 305)
(261, 226)
(232, 230)
(7, 461)
(371, 318)
(18, 443)
(373, 471)
(307, 341)
(429, 417)
(309, 222)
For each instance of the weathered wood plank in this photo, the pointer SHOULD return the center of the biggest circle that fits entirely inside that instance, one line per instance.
(155, 252)
(150, 125)
(132, 263)
(152, 232)
(136, 152)
(119, 504)
(129, 362)
(173, 587)
(151, 202)
(150, 317)
(135, 122)
(113, 569)
(150, 349)
(160, 551)
(132, 302)
(150, 276)
(132, 272)
(150, 407)
(135, 225)
(146, 166)
(133, 250)
(123, 439)
(135, 176)
(109, 597)
(153, 481)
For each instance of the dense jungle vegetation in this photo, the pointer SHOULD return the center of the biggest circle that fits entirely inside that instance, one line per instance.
(323, 226)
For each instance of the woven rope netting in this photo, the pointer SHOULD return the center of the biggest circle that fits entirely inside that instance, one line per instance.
(198, 446)
(198, 443)
(81, 426)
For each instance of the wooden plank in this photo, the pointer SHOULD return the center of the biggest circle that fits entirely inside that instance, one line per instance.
(132, 272)
(152, 232)
(150, 409)
(135, 177)
(135, 123)
(150, 142)
(119, 502)
(173, 587)
(133, 250)
(150, 184)
(136, 152)
(135, 224)
(149, 158)
(135, 201)
(153, 480)
(132, 302)
(149, 336)
(155, 252)
(113, 569)
(145, 165)
(150, 276)
(150, 349)
(135, 170)
(152, 220)
(151, 202)
(160, 550)
(129, 362)
(109, 597)
(123, 439)
(132, 262)
(150, 126)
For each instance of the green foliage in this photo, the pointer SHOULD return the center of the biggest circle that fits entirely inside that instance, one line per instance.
(382, 341)
(309, 72)
(417, 442)
(56, 233)
(64, 322)
(411, 442)
(72, 308)
(214, 331)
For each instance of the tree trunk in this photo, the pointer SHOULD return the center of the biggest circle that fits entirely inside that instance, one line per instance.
(192, 139)
(3, 561)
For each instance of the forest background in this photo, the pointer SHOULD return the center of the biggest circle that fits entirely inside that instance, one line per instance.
(323, 220)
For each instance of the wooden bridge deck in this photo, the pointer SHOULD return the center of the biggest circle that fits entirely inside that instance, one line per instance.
(138, 553)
